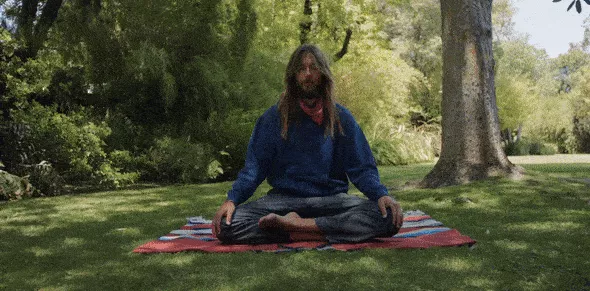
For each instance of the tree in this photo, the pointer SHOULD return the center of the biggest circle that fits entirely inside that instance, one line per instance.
(471, 148)
(32, 25)
(578, 4)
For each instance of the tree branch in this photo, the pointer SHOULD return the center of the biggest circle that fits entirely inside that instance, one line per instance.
(344, 49)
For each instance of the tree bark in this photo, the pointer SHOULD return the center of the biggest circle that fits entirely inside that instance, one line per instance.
(305, 26)
(33, 29)
(471, 139)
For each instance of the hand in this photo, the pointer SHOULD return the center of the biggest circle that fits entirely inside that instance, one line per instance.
(227, 209)
(388, 202)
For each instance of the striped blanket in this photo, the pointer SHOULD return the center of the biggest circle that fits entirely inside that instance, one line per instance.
(419, 230)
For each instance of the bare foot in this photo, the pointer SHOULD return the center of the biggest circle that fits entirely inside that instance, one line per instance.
(275, 221)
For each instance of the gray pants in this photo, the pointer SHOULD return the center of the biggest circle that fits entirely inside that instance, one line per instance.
(342, 218)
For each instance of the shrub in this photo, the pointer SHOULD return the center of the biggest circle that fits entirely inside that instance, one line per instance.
(519, 148)
(582, 133)
(525, 147)
(229, 136)
(45, 178)
(109, 176)
(13, 187)
(179, 160)
(406, 147)
(55, 148)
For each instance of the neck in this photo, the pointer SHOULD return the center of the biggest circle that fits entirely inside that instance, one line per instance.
(310, 102)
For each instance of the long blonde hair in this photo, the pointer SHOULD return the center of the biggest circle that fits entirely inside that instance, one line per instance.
(288, 103)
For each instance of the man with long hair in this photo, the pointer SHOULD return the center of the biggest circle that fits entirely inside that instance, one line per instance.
(307, 147)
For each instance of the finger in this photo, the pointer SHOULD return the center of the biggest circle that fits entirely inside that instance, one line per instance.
(228, 216)
(216, 226)
(383, 210)
(400, 217)
(393, 212)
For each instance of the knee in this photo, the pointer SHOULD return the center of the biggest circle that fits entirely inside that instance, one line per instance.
(226, 234)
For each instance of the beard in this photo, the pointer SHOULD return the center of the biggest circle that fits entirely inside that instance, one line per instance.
(309, 94)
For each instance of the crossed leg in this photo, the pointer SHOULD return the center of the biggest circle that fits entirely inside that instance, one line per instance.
(283, 218)
(299, 229)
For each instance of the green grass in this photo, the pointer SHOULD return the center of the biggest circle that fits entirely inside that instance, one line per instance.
(532, 234)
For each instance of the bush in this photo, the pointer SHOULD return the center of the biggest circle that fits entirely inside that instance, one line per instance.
(13, 187)
(229, 136)
(109, 176)
(45, 178)
(519, 148)
(179, 160)
(582, 133)
(524, 147)
(55, 148)
(404, 148)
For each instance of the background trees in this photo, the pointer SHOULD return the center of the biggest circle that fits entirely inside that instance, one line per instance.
(112, 92)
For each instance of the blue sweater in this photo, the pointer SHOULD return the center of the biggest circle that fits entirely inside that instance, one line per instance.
(308, 163)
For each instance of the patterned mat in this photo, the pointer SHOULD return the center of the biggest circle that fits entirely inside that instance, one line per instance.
(419, 230)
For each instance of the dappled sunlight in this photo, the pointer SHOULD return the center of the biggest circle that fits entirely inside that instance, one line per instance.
(73, 242)
(40, 252)
(530, 236)
(455, 264)
(512, 245)
(546, 226)
(34, 230)
(479, 282)
(125, 232)
(179, 261)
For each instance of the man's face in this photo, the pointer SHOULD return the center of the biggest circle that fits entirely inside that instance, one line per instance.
(309, 76)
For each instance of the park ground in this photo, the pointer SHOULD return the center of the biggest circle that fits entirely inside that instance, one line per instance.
(532, 234)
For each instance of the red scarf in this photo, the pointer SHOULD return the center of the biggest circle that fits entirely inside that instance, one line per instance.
(316, 112)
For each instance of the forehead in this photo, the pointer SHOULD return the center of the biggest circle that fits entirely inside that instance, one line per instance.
(308, 59)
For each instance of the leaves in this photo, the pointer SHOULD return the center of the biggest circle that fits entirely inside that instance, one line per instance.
(571, 5)
(578, 4)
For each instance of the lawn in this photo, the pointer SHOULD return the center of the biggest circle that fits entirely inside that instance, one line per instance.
(533, 234)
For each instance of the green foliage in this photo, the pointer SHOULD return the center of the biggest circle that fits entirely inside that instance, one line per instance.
(179, 160)
(46, 179)
(72, 144)
(13, 187)
(524, 147)
(111, 177)
(375, 85)
(402, 148)
(229, 135)
(582, 133)
(414, 30)
(514, 96)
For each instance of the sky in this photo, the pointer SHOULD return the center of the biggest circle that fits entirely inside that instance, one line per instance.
(549, 25)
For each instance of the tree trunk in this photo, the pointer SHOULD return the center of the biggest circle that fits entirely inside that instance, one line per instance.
(471, 139)
(305, 25)
(33, 29)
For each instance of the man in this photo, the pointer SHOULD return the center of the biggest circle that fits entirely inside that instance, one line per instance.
(307, 147)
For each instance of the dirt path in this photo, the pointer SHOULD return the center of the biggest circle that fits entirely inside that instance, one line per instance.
(553, 159)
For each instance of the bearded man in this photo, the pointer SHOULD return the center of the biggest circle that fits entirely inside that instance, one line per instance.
(307, 147)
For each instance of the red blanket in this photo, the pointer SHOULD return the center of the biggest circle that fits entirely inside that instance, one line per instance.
(418, 231)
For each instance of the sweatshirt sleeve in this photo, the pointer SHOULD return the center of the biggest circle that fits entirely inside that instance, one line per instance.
(361, 168)
(258, 156)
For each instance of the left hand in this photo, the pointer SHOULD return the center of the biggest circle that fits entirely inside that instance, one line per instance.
(388, 202)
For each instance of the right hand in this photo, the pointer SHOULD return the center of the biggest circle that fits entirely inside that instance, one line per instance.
(227, 209)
